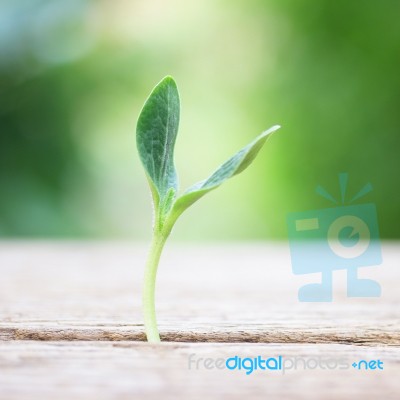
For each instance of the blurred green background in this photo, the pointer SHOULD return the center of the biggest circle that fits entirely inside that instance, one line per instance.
(74, 75)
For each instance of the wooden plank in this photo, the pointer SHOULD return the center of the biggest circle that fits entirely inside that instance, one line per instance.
(71, 326)
(91, 291)
(132, 370)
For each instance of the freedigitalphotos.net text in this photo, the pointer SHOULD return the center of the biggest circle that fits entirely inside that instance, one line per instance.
(280, 363)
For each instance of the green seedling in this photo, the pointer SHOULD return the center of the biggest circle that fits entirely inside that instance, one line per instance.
(156, 132)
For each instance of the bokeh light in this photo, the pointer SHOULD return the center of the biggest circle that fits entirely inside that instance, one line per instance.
(74, 75)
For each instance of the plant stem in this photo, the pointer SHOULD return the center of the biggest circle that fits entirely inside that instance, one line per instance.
(148, 303)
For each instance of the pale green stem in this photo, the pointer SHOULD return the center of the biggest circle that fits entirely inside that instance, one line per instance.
(149, 311)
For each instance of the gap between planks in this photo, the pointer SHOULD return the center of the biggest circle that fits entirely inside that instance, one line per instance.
(218, 334)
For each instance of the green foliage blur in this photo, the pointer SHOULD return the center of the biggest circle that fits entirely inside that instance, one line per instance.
(74, 75)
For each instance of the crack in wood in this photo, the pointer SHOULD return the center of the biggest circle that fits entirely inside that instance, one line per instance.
(136, 333)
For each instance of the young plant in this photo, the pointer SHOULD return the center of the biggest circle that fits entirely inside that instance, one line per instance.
(156, 132)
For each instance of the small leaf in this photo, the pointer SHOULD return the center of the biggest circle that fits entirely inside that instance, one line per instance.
(156, 132)
(236, 164)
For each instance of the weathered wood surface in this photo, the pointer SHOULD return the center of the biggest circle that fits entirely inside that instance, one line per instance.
(70, 324)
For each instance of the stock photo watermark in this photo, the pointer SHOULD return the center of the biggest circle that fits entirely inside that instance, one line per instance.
(281, 364)
(343, 237)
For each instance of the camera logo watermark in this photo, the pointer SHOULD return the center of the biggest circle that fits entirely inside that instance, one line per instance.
(279, 363)
(342, 237)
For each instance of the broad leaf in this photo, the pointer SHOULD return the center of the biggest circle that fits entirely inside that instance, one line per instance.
(236, 164)
(156, 132)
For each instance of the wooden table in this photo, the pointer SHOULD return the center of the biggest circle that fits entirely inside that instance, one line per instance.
(71, 326)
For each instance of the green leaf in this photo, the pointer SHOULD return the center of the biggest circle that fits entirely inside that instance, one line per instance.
(156, 132)
(236, 164)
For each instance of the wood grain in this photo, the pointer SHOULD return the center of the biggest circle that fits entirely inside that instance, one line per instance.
(71, 326)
